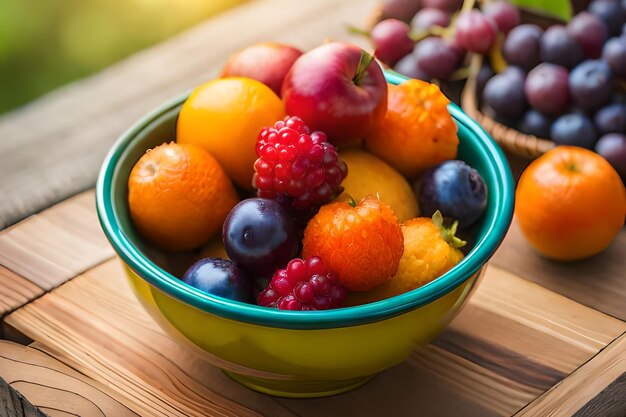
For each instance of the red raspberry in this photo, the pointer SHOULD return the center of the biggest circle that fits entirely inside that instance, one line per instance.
(297, 164)
(303, 285)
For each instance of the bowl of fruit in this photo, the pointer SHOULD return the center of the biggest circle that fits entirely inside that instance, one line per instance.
(305, 239)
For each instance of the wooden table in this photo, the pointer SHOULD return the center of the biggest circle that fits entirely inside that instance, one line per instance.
(538, 338)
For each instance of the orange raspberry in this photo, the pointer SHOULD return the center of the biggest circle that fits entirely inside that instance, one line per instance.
(430, 250)
(417, 131)
(362, 244)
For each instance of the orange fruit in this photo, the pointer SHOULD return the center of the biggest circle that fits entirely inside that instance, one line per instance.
(417, 131)
(368, 174)
(570, 203)
(179, 196)
(430, 250)
(224, 117)
(361, 244)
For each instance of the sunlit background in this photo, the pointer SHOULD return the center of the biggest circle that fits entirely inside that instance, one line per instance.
(47, 43)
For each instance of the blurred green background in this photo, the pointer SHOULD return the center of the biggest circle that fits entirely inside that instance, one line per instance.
(47, 43)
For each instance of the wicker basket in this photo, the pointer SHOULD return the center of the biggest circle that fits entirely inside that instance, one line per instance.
(517, 143)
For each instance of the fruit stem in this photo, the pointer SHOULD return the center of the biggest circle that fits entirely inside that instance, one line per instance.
(357, 31)
(448, 233)
(460, 74)
(421, 35)
(364, 62)
(468, 5)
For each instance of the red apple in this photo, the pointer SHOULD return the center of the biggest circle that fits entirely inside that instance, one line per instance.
(338, 89)
(267, 62)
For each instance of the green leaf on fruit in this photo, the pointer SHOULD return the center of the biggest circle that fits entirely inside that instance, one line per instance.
(364, 62)
(448, 232)
(560, 9)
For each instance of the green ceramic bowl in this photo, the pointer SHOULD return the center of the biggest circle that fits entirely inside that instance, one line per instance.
(299, 354)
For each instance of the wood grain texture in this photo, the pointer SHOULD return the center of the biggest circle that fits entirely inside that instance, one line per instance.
(598, 282)
(610, 402)
(55, 388)
(76, 125)
(598, 388)
(512, 342)
(15, 291)
(57, 244)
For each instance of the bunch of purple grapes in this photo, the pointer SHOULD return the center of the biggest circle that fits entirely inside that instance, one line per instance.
(566, 82)
(443, 34)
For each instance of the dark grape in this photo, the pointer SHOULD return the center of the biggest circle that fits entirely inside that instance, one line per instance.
(547, 88)
(535, 123)
(427, 18)
(612, 147)
(611, 119)
(521, 46)
(590, 32)
(408, 66)
(475, 32)
(504, 14)
(400, 9)
(436, 57)
(484, 74)
(590, 84)
(449, 6)
(611, 12)
(558, 47)
(259, 236)
(220, 277)
(391, 40)
(614, 53)
(574, 129)
(504, 93)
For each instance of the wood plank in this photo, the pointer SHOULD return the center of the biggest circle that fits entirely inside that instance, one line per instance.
(55, 388)
(598, 282)
(15, 291)
(512, 342)
(76, 125)
(57, 244)
(13, 404)
(611, 402)
(604, 376)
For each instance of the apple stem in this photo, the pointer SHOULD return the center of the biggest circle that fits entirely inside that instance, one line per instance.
(364, 62)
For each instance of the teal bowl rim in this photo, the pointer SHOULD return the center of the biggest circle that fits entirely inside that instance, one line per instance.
(349, 316)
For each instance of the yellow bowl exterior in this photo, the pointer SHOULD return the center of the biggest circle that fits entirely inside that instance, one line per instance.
(292, 362)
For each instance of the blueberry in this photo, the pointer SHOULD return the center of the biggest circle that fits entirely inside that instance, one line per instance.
(456, 190)
(574, 129)
(220, 277)
(259, 236)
